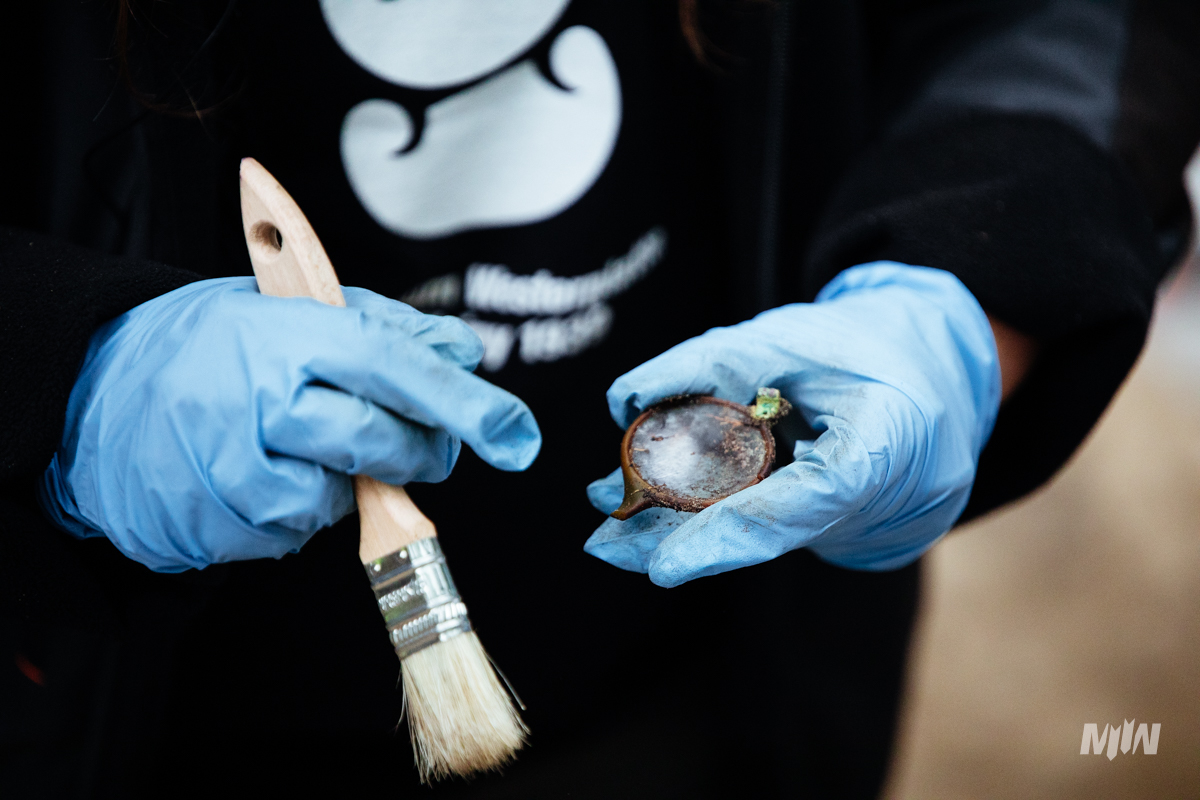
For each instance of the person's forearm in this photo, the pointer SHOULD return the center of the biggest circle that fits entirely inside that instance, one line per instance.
(1016, 351)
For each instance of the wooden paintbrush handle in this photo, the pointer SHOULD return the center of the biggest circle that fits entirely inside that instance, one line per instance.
(389, 518)
(289, 261)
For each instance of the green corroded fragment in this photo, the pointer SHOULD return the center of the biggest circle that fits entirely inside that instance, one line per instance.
(769, 406)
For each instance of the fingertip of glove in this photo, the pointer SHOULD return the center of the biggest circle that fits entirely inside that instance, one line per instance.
(614, 557)
(668, 572)
(622, 406)
(667, 576)
(615, 550)
(513, 453)
(671, 565)
(606, 494)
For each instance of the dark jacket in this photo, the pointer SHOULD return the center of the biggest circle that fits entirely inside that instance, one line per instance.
(1034, 149)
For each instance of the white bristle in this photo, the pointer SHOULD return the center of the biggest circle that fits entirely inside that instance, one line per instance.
(460, 718)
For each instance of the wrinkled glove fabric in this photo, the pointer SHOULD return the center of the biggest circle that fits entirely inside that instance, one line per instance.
(215, 424)
(894, 366)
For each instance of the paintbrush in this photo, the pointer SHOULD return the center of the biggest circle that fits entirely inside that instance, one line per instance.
(460, 718)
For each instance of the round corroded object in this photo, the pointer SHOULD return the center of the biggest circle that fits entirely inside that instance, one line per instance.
(690, 452)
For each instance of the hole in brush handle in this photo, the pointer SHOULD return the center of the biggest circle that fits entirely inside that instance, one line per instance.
(266, 238)
(287, 256)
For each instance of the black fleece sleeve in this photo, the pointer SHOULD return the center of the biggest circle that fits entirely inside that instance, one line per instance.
(55, 296)
(1048, 235)
(1020, 165)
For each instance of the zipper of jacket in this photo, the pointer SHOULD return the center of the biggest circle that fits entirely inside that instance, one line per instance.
(777, 79)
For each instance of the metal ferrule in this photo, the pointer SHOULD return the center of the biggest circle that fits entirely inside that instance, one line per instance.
(417, 597)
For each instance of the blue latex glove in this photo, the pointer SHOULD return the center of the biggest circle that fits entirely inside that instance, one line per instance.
(216, 424)
(895, 367)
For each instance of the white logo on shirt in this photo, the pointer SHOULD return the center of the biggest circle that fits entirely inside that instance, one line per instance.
(512, 150)
(493, 287)
(433, 44)
(571, 311)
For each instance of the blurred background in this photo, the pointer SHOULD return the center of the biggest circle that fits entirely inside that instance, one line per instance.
(1080, 604)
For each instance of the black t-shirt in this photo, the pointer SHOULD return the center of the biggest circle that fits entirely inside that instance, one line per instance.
(574, 182)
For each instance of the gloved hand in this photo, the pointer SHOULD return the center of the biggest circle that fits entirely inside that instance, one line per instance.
(215, 424)
(894, 365)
